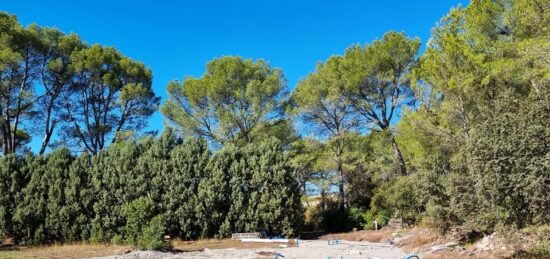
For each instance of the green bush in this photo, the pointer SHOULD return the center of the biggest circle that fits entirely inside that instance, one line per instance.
(333, 219)
(138, 213)
(152, 235)
(312, 218)
(136, 191)
(253, 188)
(144, 228)
(355, 216)
(439, 218)
(369, 217)
(397, 198)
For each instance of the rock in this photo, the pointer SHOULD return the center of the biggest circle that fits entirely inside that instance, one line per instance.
(353, 252)
(437, 248)
(484, 244)
(444, 246)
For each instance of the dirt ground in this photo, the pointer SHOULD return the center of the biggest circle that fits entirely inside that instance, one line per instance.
(306, 249)
(375, 236)
(87, 250)
(359, 244)
(318, 248)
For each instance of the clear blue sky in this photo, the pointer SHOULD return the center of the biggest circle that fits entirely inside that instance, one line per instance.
(177, 38)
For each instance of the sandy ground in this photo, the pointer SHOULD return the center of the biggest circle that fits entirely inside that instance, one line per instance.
(314, 249)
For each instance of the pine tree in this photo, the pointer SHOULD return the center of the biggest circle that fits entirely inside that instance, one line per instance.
(188, 163)
(13, 179)
(280, 208)
(114, 184)
(80, 198)
(214, 192)
(31, 211)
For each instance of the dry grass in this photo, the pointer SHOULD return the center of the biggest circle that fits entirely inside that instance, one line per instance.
(453, 255)
(419, 239)
(86, 250)
(77, 250)
(376, 236)
(188, 246)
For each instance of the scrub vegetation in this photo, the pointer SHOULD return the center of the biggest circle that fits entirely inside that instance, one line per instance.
(456, 137)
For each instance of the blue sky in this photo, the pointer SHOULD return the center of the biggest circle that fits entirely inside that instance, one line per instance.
(177, 38)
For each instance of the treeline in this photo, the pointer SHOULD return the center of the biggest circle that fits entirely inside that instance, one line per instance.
(478, 144)
(57, 88)
(456, 137)
(138, 191)
(470, 151)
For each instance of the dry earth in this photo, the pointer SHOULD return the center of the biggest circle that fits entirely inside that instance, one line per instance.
(307, 249)
(360, 244)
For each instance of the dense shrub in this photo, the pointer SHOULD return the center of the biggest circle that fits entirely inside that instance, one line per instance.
(251, 189)
(135, 192)
(397, 198)
(152, 235)
(137, 213)
(14, 176)
(369, 218)
(187, 170)
(330, 218)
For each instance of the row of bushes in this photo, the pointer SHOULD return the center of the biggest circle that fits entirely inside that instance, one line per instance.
(137, 191)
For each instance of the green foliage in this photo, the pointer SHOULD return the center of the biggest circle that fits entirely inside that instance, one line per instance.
(510, 163)
(143, 227)
(477, 142)
(472, 152)
(114, 184)
(80, 198)
(334, 219)
(112, 94)
(397, 198)
(137, 213)
(135, 192)
(14, 176)
(71, 93)
(279, 207)
(233, 102)
(312, 218)
(152, 237)
(377, 82)
(188, 163)
(18, 47)
(369, 218)
(251, 189)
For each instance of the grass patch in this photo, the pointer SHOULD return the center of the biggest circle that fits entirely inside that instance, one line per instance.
(76, 250)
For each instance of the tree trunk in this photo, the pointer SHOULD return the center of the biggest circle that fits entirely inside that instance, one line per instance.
(399, 156)
(45, 142)
(4, 141)
(342, 195)
(322, 202)
(339, 170)
(305, 192)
